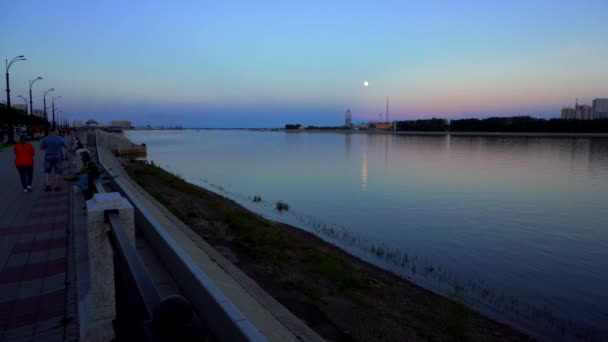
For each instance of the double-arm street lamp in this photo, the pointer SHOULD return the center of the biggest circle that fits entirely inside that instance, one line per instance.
(31, 84)
(46, 117)
(11, 133)
(8, 87)
(53, 101)
(24, 101)
(62, 119)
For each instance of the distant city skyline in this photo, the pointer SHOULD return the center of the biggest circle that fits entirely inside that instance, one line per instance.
(264, 64)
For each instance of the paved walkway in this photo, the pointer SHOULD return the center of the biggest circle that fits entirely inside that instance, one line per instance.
(35, 304)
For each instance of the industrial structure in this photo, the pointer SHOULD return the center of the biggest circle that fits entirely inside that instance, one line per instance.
(379, 125)
(348, 120)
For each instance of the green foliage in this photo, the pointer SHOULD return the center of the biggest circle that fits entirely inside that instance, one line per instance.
(529, 124)
(19, 117)
(431, 125)
(167, 203)
(506, 124)
(310, 291)
(257, 235)
(454, 316)
(334, 269)
(293, 126)
(174, 181)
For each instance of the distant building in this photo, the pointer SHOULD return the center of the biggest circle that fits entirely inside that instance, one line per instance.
(583, 112)
(77, 123)
(382, 125)
(121, 124)
(600, 108)
(579, 112)
(377, 125)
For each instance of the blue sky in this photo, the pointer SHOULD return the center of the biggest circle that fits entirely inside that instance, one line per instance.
(267, 63)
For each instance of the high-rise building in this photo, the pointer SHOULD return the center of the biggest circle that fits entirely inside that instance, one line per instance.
(600, 108)
(579, 112)
(583, 112)
(568, 113)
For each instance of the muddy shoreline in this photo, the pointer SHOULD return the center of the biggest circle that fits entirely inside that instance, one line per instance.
(338, 295)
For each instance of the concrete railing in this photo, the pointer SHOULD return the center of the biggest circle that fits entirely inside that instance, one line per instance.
(101, 265)
(119, 144)
(133, 299)
(223, 318)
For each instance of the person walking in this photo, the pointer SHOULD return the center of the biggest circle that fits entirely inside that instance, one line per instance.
(53, 145)
(24, 161)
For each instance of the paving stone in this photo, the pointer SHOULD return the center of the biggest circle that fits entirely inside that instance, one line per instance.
(33, 258)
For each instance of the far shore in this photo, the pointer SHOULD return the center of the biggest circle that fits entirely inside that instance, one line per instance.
(423, 133)
(463, 134)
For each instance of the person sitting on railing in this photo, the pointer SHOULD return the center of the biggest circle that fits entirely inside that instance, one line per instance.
(85, 180)
(84, 156)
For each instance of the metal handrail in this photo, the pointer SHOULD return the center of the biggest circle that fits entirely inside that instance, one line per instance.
(127, 255)
(224, 320)
(133, 283)
(141, 314)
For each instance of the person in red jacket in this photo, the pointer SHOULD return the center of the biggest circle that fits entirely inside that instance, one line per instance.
(24, 161)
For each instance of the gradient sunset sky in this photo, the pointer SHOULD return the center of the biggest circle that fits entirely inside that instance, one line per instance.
(267, 63)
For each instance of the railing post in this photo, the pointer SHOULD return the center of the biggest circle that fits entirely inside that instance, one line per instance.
(101, 261)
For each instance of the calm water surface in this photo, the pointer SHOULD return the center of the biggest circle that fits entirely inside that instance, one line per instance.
(518, 225)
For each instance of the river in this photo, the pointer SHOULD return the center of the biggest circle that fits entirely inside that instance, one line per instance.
(516, 227)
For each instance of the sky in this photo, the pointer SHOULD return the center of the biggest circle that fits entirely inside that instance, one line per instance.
(268, 63)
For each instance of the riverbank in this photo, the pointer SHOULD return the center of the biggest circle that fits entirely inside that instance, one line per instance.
(341, 297)
(423, 133)
(463, 134)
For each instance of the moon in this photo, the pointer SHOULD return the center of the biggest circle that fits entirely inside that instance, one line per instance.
(365, 83)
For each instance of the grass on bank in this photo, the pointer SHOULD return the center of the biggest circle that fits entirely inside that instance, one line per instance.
(265, 241)
(258, 236)
(455, 316)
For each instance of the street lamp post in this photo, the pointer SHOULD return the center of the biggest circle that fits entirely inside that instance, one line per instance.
(31, 84)
(53, 101)
(62, 119)
(8, 87)
(24, 101)
(11, 133)
(46, 117)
